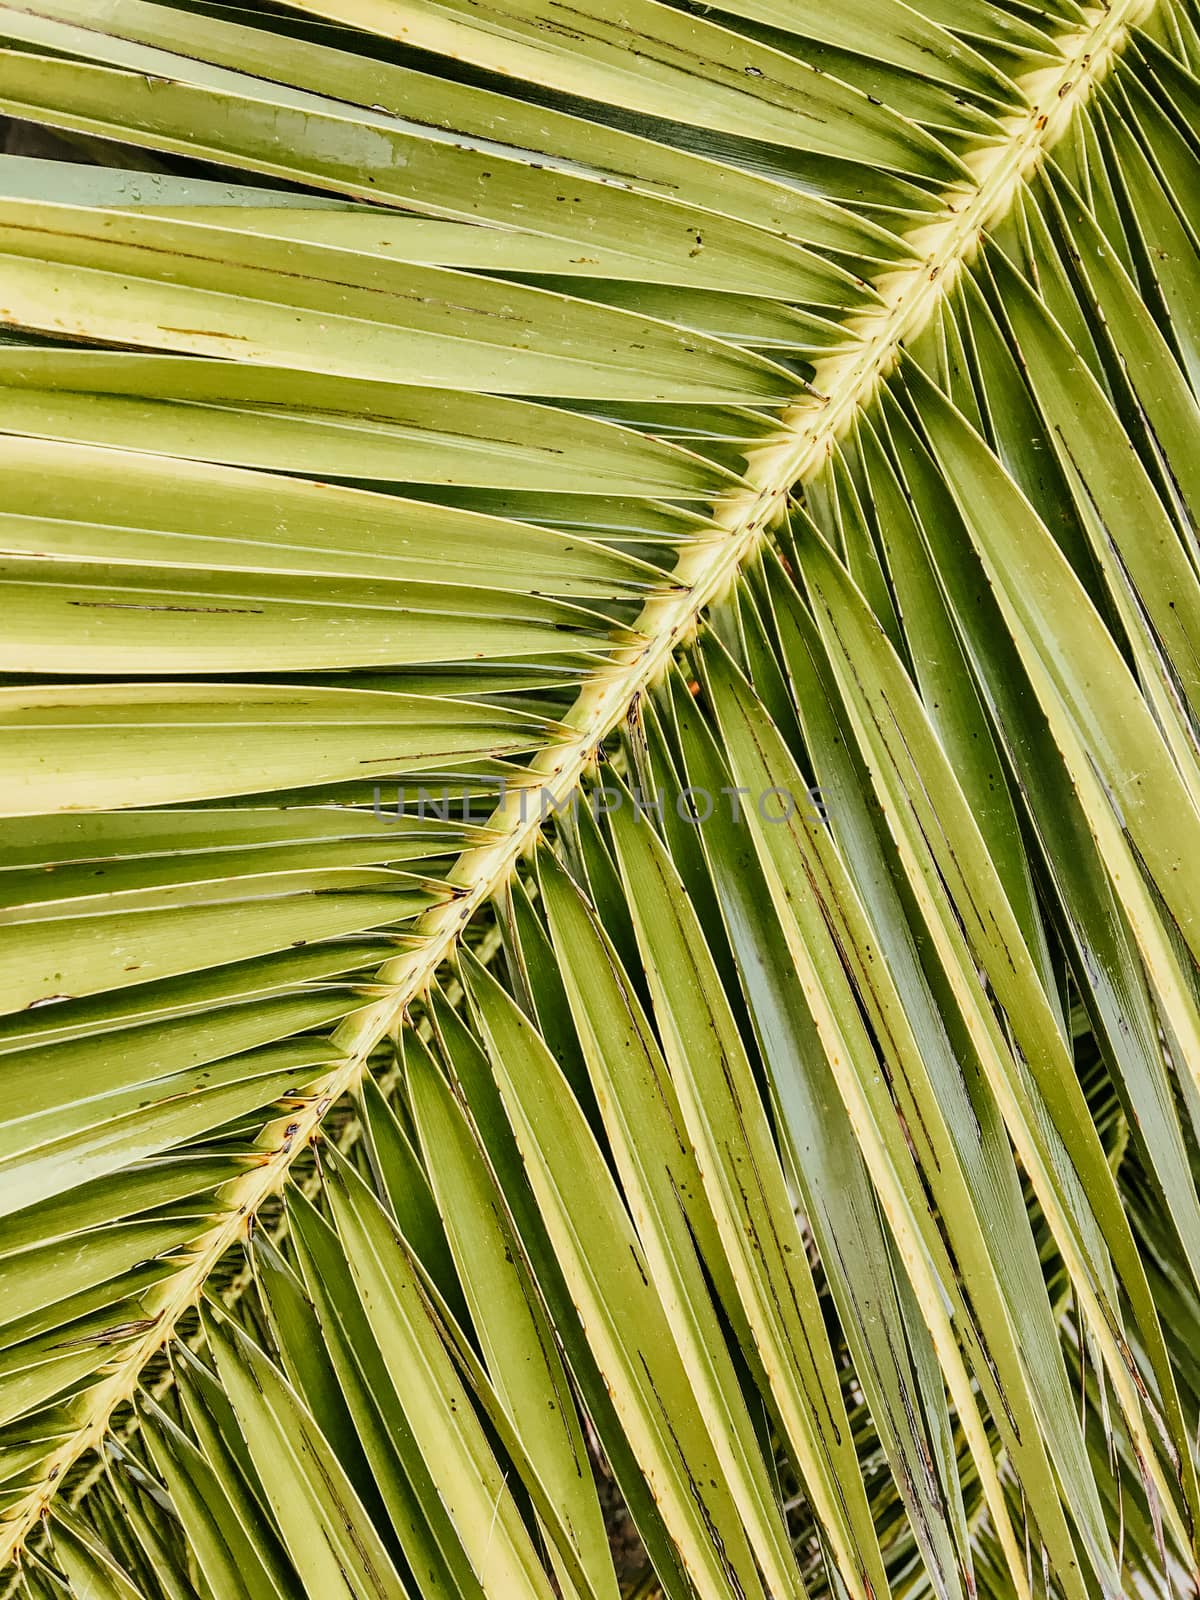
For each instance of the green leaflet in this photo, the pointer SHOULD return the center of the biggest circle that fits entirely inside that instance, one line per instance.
(322, 1520)
(230, 1553)
(89, 1567)
(721, 1110)
(824, 1164)
(810, 890)
(672, 1214)
(101, 1137)
(291, 421)
(474, 1080)
(516, 1334)
(436, 1405)
(943, 826)
(215, 291)
(684, 67)
(1031, 576)
(621, 1311)
(142, 744)
(407, 1488)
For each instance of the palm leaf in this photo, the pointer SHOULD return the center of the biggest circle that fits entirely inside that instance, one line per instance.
(416, 418)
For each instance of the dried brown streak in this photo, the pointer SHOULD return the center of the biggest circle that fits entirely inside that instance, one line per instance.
(675, 54)
(916, 1433)
(201, 333)
(130, 605)
(1169, 669)
(631, 1011)
(404, 297)
(947, 844)
(715, 1539)
(265, 78)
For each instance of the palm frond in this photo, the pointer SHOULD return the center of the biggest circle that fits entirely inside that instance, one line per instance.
(408, 406)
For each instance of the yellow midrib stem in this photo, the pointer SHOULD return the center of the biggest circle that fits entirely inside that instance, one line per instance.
(843, 383)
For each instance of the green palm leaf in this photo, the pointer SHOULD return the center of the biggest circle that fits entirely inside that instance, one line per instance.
(471, 478)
